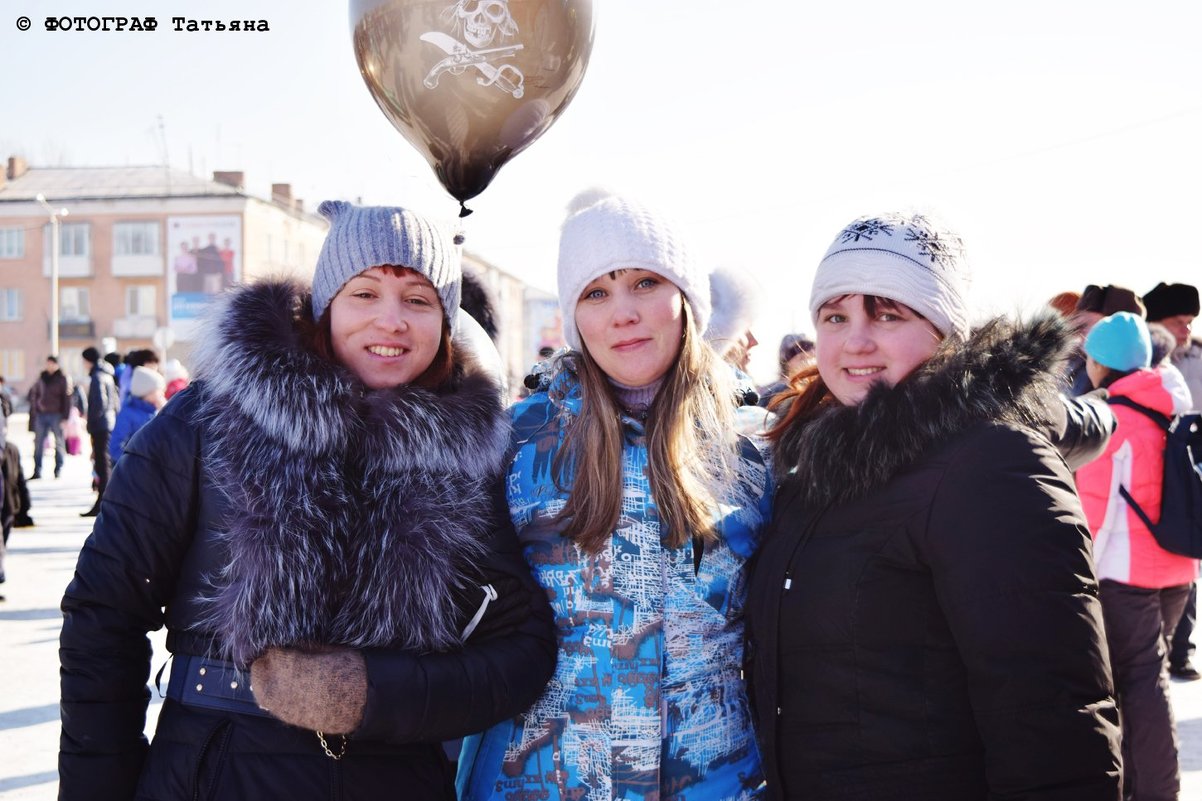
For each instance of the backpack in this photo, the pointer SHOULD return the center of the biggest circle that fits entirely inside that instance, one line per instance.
(1180, 528)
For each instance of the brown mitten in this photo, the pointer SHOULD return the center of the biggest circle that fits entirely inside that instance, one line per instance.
(320, 690)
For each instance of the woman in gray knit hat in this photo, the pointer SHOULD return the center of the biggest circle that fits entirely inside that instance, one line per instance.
(317, 521)
(923, 618)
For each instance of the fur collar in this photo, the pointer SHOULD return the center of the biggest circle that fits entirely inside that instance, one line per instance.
(355, 513)
(250, 354)
(1006, 372)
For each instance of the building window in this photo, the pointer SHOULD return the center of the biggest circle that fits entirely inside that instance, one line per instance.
(73, 306)
(73, 239)
(10, 305)
(12, 365)
(12, 243)
(136, 238)
(140, 300)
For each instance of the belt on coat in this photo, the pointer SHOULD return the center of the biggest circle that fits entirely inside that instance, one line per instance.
(212, 684)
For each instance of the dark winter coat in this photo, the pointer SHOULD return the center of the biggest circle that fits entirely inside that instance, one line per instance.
(103, 400)
(278, 502)
(923, 617)
(51, 394)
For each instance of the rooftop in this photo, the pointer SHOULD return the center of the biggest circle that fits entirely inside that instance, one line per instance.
(100, 183)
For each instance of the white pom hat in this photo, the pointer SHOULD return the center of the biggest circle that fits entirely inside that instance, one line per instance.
(605, 232)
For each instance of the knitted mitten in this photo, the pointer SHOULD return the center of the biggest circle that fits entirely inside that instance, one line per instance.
(320, 690)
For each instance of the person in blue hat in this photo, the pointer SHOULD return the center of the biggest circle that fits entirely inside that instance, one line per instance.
(1143, 587)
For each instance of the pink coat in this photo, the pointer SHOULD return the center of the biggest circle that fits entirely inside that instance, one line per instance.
(1124, 548)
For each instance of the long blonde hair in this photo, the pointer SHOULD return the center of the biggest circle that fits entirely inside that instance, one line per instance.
(691, 449)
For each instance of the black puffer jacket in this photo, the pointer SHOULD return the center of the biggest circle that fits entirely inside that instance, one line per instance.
(277, 502)
(923, 615)
(104, 399)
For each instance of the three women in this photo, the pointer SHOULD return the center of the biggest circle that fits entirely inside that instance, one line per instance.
(317, 520)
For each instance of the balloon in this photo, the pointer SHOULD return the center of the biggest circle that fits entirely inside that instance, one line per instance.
(471, 83)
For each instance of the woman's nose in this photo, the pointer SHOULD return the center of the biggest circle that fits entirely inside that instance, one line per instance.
(392, 317)
(625, 313)
(859, 340)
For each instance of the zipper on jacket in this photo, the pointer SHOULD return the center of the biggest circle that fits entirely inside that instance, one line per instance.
(806, 533)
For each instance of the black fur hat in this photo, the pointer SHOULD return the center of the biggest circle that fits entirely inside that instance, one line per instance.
(1169, 300)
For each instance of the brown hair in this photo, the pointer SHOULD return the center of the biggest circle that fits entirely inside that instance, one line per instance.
(316, 335)
(691, 448)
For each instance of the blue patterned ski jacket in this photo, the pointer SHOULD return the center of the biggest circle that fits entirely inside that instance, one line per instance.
(647, 701)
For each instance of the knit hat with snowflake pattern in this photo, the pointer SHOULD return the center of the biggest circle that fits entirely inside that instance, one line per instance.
(904, 257)
(363, 237)
(605, 232)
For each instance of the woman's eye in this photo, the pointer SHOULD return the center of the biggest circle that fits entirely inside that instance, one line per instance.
(833, 318)
(362, 293)
(888, 317)
(594, 294)
(419, 301)
(645, 283)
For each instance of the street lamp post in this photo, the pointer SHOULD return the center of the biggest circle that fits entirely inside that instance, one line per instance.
(54, 251)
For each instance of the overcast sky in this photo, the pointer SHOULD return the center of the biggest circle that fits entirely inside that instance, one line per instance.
(1060, 138)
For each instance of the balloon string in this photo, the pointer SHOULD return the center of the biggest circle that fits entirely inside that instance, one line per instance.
(463, 210)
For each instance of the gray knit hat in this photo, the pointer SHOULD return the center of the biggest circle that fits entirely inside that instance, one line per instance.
(605, 232)
(363, 237)
(904, 257)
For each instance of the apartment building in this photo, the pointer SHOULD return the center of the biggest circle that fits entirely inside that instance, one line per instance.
(142, 251)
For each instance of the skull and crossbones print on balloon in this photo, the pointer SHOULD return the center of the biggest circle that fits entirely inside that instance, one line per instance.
(486, 28)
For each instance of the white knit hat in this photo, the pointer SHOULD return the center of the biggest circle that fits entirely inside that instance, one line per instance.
(903, 257)
(735, 300)
(605, 232)
(363, 237)
(144, 381)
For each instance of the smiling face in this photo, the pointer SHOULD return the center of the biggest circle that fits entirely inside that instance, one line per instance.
(631, 322)
(386, 326)
(862, 341)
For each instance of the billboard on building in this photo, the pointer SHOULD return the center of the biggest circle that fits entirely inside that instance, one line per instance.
(204, 258)
(544, 327)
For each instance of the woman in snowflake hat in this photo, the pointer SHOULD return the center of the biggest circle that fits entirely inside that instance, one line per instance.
(923, 617)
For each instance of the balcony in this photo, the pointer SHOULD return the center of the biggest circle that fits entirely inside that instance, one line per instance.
(69, 267)
(75, 329)
(135, 326)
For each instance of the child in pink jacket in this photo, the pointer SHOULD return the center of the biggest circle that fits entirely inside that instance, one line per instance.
(1143, 587)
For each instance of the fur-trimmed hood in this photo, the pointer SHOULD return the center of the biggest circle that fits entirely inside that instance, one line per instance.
(1007, 372)
(355, 514)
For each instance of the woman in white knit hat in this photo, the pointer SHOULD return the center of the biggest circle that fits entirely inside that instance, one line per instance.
(923, 618)
(318, 522)
(638, 506)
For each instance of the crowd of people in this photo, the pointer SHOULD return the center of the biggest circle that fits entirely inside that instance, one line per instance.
(923, 563)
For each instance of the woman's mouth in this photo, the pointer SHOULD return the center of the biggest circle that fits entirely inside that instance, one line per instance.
(385, 350)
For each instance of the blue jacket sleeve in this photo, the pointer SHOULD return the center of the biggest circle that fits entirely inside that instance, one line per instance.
(121, 432)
